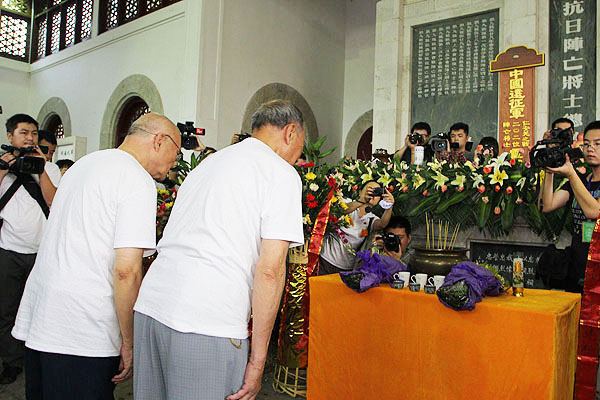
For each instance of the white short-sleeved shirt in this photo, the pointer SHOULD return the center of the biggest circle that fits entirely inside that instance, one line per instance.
(333, 250)
(23, 217)
(201, 281)
(105, 201)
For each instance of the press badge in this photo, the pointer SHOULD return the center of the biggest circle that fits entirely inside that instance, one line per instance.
(587, 228)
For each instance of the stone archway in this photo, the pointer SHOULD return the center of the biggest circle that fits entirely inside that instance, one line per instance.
(359, 127)
(133, 86)
(274, 91)
(55, 106)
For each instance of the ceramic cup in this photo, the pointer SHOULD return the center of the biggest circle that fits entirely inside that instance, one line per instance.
(397, 284)
(402, 276)
(429, 288)
(438, 280)
(421, 279)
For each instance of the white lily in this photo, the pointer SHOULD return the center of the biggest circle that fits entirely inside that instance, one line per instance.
(418, 180)
(500, 161)
(477, 180)
(385, 179)
(459, 180)
(440, 180)
(498, 177)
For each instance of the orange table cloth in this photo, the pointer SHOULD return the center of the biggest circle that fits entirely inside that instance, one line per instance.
(397, 344)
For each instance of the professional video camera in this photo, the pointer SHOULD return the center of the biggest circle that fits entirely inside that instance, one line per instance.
(24, 163)
(391, 242)
(552, 152)
(188, 141)
(415, 138)
(440, 142)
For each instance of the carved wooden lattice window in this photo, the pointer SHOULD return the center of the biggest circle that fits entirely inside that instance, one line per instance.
(15, 16)
(55, 126)
(60, 24)
(115, 13)
(132, 110)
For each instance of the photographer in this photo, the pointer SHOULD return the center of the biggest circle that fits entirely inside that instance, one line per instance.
(459, 133)
(419, 136)
(395, 239)
(25, 199)
(337, 252)
(47, 139)
(561, 123)
(582, 193)
(488, 146)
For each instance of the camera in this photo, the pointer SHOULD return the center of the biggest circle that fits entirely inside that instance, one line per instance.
(554, 150)
(188, 141)
(415, 138)
(378, 191)
(391, 242)
(243, 136)
(440, 142)
(24, 164)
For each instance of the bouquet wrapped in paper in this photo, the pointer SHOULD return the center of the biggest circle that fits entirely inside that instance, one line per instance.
(374, 269)
(466, 284)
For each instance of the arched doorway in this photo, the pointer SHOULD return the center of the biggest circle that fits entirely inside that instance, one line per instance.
(364, 150)
(55, 126)
(133, 108)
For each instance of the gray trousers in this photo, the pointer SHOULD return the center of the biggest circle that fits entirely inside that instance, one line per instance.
(14, 270)
(168, 364)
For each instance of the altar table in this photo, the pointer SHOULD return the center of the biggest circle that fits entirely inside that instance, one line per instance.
(396, 344)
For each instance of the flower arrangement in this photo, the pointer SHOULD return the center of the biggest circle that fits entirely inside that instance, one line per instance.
(164, 203)
(320, 185)
(485, 194)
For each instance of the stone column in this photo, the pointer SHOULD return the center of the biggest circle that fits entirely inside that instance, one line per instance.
(388, 74)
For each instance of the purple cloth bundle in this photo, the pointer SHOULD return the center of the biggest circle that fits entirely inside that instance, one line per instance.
(466, 284)
(373, 270)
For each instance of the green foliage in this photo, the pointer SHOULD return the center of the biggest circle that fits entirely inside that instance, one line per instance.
(312, 151)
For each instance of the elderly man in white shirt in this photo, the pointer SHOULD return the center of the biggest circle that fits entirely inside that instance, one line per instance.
(76, 315)
(222, 254)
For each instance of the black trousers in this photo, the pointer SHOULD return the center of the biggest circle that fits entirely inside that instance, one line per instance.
(14, 270)
(50, 376)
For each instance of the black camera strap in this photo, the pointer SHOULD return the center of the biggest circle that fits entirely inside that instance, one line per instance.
(32, 188)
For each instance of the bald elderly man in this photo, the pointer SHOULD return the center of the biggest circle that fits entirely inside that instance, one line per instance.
(76, 315)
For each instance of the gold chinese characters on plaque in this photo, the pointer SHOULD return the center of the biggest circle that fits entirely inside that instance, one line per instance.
(516, 119)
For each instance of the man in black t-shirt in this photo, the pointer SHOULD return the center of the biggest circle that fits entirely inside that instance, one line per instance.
(407, 152)
(583, 194)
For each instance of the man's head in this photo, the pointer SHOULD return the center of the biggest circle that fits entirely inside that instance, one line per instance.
(591, 143)
(64, 165)
(400, 227)
(155, 142)
(22, 130)
(423, 129)
(280, 125)
(563, 123)
(459, 133)
(46, 138)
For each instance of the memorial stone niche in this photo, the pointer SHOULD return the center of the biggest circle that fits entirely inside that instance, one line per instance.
(451, 81)
(573, 61)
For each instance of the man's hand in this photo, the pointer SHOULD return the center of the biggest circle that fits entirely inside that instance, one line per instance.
(394, 254)
(566, 169)
(8, 158)
(126, 364)
(387, 196)
(38, 153)
(252, 383)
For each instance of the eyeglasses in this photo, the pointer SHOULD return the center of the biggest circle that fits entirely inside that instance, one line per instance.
(179, 154)
(586, 146)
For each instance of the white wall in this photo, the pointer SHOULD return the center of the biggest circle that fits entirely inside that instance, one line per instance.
(359, 62)
(298, 43)
(14, 91)
(86, 75)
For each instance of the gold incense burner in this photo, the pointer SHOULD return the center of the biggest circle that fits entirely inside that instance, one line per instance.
(436, 261)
